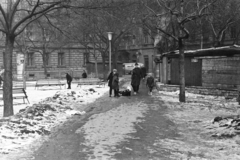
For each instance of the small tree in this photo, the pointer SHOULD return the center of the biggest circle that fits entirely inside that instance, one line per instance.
(15, 16)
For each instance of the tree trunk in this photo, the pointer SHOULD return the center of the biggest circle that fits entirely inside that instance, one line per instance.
(114, 58)
(104, 67)
(44, 65)
(181, 72)
(96, 68)
(23, 71)
(7, 87)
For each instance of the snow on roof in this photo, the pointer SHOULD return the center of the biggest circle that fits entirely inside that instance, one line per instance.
(225, 50)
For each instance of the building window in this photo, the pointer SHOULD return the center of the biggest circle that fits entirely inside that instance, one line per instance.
(85, 58)
(145, 39)
(134, 58)
(120, 58)
(61, 59)
(47, 59)
(146, 62)
(30, 59)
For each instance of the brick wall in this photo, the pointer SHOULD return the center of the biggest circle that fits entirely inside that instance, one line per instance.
(221, 73)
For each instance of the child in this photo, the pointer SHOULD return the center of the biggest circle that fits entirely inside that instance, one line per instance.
(150, 83)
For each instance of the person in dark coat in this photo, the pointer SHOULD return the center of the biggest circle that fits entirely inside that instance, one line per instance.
(69, 80)
(109, 79)
(136, 78)
(84, 75)
(115, 83)
(150, 83)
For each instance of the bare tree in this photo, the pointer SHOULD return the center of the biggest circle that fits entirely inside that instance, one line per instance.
(15, 16)
(224, 13)
(92, 27)
(178, 14)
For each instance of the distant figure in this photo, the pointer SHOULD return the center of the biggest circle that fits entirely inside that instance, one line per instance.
(109, 79)
(136, 78)
(144, 72)
(69, 80)
(150, 83)
(115, 83)
(84, 75)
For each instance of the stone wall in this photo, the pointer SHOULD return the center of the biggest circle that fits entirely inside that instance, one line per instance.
(221, 72)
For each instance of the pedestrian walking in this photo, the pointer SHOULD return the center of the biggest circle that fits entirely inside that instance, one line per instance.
(109, 79)
(84, 75)
(115, 83)
(69, 80)
(150, 83)
(136, 78)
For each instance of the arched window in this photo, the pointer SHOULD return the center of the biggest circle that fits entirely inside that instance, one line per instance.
(85, 58)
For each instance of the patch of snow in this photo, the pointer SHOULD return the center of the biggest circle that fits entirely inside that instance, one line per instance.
(106, 130)
(24, 132)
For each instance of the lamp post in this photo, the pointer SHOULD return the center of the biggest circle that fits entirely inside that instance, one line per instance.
(110, 54)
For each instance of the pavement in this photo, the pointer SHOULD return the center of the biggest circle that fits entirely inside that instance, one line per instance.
(113, 128)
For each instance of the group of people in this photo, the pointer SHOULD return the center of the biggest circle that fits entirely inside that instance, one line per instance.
(113, 80)
(137, 75)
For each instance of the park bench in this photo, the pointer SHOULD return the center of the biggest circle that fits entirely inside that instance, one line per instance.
(90, 81)
(17, 84)
(17, 93)
(48, 82)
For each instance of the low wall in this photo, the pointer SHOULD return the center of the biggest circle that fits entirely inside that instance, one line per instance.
(231, 93)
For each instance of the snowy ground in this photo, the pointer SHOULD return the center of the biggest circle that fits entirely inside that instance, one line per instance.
(201, 138)
(49, 107)
(193, 118)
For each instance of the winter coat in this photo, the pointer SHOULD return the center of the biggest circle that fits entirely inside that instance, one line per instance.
(115, 81)
(150, 82)
(136, 76)
(84, 75)
(68, 77)
(110, 78)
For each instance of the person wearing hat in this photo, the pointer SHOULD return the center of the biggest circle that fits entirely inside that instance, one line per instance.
(110, 82)
(136, 78)
(84, 75)
(115, 83)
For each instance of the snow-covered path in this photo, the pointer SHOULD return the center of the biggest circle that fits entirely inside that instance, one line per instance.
(106, 130)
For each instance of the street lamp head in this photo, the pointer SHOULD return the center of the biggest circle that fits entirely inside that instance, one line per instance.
(110, 35)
